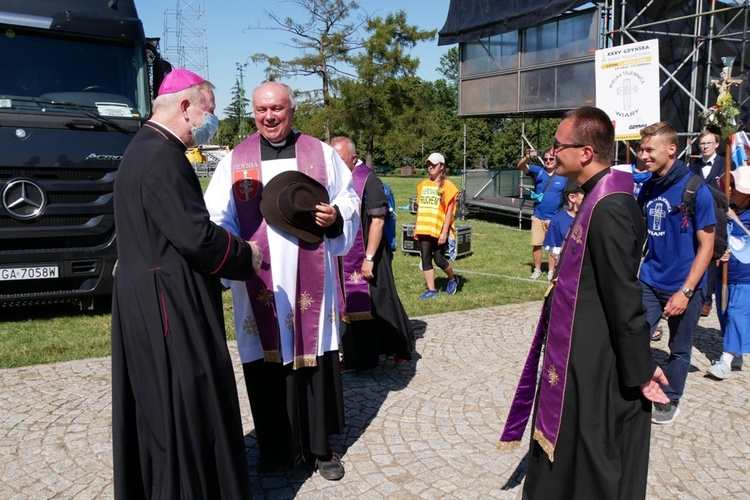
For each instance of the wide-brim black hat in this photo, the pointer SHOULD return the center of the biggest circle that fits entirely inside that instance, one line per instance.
(288, 203)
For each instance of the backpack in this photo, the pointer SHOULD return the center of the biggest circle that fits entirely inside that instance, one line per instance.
(721, 207)
(389, 229)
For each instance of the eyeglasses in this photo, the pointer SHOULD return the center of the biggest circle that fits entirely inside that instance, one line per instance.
(432, 165)
(549, 158)
(703, 144)
(559, 145)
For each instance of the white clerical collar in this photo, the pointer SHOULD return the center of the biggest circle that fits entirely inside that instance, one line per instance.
(277, 144)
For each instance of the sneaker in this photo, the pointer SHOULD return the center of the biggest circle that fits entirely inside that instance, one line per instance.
(549, 275)
(737, 363)
(719, 369)
(657, 334)
(452, 286)
(332, 470)
(536, 274)
(664, 414)
(429, 294)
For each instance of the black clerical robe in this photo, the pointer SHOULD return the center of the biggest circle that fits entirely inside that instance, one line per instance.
(603, 445)
(177, 430)
(295, 411)
(390, 331)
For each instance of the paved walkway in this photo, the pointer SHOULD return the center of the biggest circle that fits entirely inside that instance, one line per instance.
(426, 429)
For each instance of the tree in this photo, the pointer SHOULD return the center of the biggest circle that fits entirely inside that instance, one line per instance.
(229, 133)
(324, 41)
(449, 66)
(386, 73)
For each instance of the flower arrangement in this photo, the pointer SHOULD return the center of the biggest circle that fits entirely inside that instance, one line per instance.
(720, 118)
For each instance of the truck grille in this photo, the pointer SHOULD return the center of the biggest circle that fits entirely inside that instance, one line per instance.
(78, 212)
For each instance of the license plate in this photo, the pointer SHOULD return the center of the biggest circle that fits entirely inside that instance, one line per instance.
(29, 273)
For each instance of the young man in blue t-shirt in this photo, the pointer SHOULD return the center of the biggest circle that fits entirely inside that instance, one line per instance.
(679, 249)
(548, 206)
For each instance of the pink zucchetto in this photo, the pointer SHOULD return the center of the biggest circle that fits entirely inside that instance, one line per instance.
(177, 80)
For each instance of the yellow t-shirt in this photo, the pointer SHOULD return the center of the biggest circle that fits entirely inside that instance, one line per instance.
(433, 203)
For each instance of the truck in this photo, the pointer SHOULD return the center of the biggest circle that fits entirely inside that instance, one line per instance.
(76, 86)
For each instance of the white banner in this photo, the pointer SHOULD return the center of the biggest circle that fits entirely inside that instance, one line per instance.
(627, 86)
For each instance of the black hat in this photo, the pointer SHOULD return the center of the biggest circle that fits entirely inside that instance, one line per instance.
(288, 203)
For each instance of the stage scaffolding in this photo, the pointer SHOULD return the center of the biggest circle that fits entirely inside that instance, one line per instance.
(693, 37)
(697, 35)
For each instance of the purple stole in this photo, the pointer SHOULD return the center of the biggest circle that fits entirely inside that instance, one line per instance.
(556, 323)
(356, 288)
(247, 186)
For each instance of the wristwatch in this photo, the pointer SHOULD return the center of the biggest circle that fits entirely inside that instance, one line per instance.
(369, 258)
(687, 291)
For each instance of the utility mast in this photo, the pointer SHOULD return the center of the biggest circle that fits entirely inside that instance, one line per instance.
(185, 37)
(243, 100)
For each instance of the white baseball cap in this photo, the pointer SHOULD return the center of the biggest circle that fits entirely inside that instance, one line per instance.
(741, 180)
(435, 158)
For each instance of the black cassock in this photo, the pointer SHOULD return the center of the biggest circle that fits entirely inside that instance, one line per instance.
(603, 445)
(177, 430)
(390, 331)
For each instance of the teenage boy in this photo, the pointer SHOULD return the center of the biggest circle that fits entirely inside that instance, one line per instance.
(679, 249)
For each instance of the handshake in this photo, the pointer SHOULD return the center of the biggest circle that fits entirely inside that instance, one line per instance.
(257, 256)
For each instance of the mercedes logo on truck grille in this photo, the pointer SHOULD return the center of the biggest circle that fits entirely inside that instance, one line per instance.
(24, 199)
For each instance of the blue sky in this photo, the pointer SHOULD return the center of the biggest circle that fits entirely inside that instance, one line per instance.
(230, 41)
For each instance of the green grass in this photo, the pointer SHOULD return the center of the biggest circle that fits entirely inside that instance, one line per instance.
(501, 255)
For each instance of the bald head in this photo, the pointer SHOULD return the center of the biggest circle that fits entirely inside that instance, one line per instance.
(346, 149)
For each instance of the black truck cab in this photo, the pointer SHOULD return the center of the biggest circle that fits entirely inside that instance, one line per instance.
(74, 90)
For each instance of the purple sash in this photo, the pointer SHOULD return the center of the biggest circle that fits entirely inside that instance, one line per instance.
(356, 287)
(247, 185)
(557, 325)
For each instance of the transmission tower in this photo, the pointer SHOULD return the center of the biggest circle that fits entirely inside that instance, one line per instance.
(185, 37)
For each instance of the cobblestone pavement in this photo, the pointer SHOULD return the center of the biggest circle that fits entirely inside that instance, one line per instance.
(425, 429)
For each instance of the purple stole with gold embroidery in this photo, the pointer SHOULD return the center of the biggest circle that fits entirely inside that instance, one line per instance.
(247, 186)
(556, 323)
(356, 288)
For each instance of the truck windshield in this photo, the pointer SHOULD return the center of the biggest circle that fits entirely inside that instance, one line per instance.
(52, 72)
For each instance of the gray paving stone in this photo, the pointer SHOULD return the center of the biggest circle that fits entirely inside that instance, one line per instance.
(426, 429)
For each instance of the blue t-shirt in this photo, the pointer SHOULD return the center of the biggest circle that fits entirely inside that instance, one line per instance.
(552, 200)
(737, 271)
(672, 243)
(558, 228)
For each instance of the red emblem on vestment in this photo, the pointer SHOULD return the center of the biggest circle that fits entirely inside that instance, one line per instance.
(245, 183)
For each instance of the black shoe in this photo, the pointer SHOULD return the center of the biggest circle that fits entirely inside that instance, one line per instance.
(332, 470)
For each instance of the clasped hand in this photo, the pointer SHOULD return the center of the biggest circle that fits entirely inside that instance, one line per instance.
(325, 215)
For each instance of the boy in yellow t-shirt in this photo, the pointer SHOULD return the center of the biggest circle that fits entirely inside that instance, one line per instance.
(436, 197)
